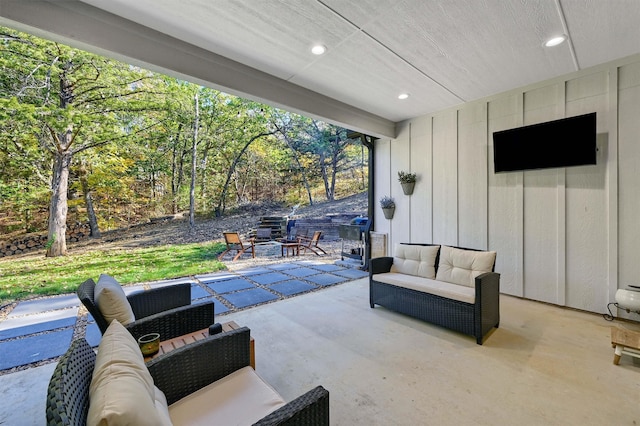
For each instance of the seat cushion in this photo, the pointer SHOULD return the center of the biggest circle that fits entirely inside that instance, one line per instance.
(415, 260)
(461, 266)
(160, 401)
(241, 398)
(122, 390)
(457, 292)
(109, 297)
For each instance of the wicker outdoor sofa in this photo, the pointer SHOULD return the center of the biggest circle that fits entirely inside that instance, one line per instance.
(190, 373)
(452, 287)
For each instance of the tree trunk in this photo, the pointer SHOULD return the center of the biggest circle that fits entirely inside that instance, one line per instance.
(192, 188)
(305, 181)
(174, 178)
(325, 177)
(334, 172)
(203, 181)
(152, 179)
(27, 219)
(86, 191)
(58, 207)
(176, 172)
(57, 242)
(221, 202)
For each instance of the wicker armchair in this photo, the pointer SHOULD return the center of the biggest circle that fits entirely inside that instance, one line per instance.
(165, 310)
(178, 374)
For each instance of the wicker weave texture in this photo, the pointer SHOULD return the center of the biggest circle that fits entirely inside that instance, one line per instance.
(309, 409)
(86, 293)
(177, 373)
(68, 392)
(160, 299)
(165, 310)
(176, 322)
(475, 319)
(185, 370)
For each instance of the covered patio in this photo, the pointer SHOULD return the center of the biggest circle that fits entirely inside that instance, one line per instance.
(456, 64)
(545, 365)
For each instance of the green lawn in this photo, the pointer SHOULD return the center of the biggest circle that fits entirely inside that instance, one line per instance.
(22, 278)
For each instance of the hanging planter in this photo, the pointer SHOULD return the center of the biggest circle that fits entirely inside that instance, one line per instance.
(388, 212)
(408, 182)
(407, 187)
(388, 207)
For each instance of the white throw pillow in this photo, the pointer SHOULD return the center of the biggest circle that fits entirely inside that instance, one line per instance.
(458, 266)
(415, 259)
(111, 300)
(122, 390)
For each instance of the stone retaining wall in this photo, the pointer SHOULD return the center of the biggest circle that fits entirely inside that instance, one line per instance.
(330, 225)
(38, 241)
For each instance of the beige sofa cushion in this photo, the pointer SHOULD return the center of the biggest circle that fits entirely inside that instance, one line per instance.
(439, 288)
(415, 260)
(111, 300)
(241, 398)
(160, 401)
(122, 390)
(460, 266)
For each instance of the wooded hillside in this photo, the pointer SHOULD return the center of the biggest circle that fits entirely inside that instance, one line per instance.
(92, 140)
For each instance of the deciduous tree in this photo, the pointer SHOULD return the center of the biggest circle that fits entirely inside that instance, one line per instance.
(72, 101)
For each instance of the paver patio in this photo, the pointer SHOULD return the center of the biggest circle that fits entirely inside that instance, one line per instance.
(41, 329)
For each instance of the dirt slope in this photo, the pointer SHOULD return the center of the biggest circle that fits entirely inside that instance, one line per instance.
(176, 230)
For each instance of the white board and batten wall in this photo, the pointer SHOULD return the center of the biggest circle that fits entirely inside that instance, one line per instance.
(566, 236)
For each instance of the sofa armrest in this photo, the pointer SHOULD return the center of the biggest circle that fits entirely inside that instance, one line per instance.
(184, 370)
(487, 286)
(487, 306)
(379, 265)
(311, 408)
(175, 322)
(149, 302)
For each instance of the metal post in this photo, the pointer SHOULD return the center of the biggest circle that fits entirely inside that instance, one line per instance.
(368, 141)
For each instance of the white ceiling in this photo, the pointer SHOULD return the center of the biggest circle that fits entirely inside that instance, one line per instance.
(443, 53)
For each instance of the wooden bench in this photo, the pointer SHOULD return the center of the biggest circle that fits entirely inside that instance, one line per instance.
(625, 342)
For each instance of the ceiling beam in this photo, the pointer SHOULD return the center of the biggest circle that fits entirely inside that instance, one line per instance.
(85, 27)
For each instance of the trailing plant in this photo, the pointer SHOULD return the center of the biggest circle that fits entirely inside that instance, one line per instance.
(387, 202)
(50, 242)
(406, 177)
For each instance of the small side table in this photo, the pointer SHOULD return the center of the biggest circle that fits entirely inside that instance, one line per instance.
(625, 342)
(167, 346)
(293, 248)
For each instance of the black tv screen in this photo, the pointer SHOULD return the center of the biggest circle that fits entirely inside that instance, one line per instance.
(561, 143)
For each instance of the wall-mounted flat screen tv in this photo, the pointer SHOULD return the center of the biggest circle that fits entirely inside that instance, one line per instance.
(560, 143)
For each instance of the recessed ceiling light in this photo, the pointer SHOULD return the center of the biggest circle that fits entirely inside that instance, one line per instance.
(318, 49)
(403, 96)
(555, 41)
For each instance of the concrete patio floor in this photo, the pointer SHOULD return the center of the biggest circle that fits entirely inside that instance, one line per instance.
(544, 366)
(40, 330)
